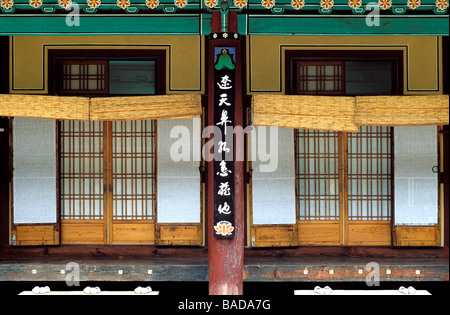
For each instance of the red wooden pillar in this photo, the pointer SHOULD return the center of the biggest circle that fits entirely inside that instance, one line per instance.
(226, 255)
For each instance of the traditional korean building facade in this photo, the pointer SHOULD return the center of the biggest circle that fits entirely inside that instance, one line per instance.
(225, 132)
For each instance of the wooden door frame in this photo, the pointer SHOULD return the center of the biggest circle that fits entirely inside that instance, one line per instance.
(396, 56)
(5, 181)
(55, 57)
(107, 181)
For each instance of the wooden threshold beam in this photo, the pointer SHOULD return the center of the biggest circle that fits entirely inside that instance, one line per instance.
(102, 263)
(152, 251)
(255, 269)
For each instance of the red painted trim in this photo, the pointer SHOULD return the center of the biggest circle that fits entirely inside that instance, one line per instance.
(215, 22)
(232, 22)
(446, 184)
(446, 87)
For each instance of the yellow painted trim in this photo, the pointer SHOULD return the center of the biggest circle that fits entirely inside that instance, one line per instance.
(422, 69)
(441, 214)
(185, 61)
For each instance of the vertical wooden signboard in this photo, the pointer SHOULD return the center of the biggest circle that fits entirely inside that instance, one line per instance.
(224, 107)
(225, 183)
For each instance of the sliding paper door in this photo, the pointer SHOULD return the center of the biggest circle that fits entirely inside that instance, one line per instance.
(273, 188)
(108, 182)
(319, 197)
(368, 186)
(416, 186)
(343, 186)
(179, 193)
(82, 184)
(35, 219)
(131, 179)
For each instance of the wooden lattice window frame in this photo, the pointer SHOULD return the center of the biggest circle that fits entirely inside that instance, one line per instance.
(86, 74)
(58, 57)
(328, 77)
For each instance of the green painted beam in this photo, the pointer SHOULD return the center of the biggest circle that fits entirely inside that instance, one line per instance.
(348, 25)
(127, 24)
(200, 24)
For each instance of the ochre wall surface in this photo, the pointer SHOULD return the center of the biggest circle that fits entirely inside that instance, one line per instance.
(29, 59)
(422, 64)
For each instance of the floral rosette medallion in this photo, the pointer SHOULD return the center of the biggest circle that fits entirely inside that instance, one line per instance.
(211, 3)
(94, 4)
(268, 4)
(297, 4)
(65, 3)
(152, 4)
(354, 4)
(326, 4)
(240, 3)
(123, 4)
(35, 3)
(7, 4)
(181, 3)
(442, 4)
(413, 4)
(384, 4)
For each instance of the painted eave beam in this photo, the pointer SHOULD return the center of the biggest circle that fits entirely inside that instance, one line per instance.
(348, 25)
(113, 24)
(200, 24)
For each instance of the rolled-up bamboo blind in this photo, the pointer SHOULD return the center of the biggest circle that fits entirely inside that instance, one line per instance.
(44, 106)
(102, 108)
(146, 107)
(341, 113)
(305, 112)
(420, 110)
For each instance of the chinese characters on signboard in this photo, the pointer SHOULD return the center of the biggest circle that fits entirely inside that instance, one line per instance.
(224, 97)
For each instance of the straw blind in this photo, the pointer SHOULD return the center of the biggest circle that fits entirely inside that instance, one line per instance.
(402, 110)
(44, 106)
(340, 113)
(305, 112)
(102, 108)
(146, 107)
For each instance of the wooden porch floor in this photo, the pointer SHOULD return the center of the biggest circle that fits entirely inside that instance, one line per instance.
(148, 263)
